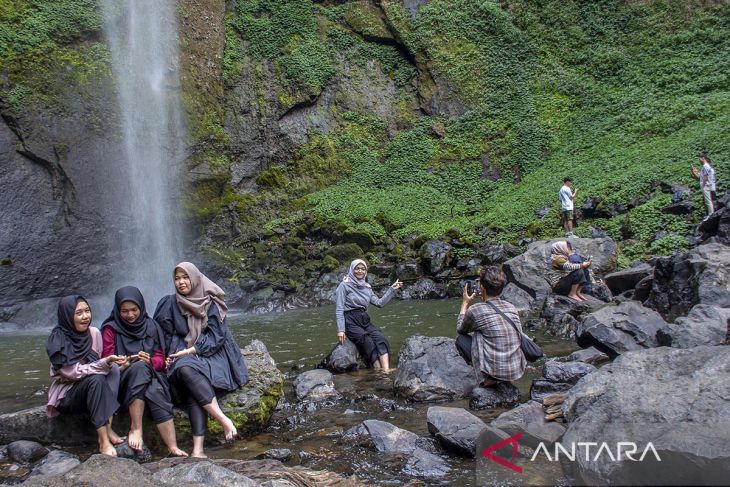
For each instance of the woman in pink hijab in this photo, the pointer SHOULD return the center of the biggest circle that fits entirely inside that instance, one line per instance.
(204, 360)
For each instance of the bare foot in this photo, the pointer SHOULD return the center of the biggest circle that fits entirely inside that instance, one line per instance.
(229, 429)
(198, 455)
(575, 297)
(114, 438)
(177, 452)
(582, 297)
(135, 439)
(108, 449)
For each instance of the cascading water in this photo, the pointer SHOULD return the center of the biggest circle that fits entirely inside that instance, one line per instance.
(142, 36)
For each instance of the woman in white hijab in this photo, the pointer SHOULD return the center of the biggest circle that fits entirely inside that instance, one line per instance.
(353, 296)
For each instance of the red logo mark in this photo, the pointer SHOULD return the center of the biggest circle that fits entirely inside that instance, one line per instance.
(512, 440)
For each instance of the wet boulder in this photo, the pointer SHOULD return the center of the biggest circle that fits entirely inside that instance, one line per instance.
(430, 369)
(455, 428)
(677, 399)
(315, 385)
(519, 298)
(57, 462)
(696, 277)
(389, 438)
(425, 464)
(558, 377)
(502, 395)
(202, 473)
(704, 325)
(99, 471)
(529, 419)
(562, 315)
(25, 452)
(716, 226)
(144, 455)
(618, 329)
(343, 358)
(434, 256)
(590, 355)
(625, 279)
(424, 288)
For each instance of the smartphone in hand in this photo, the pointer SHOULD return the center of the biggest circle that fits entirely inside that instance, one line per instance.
(133, 358)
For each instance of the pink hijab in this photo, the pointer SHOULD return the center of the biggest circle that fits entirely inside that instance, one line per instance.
(195, 305)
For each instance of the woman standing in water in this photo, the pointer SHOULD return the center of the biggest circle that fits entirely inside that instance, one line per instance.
(130, 331)
(353, 296)
(203, 356)
(83, 382)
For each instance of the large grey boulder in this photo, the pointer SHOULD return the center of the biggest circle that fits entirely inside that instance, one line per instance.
(704, 325)
(250, 408)
(455, 428)
(434, 256)
(590, 355)
(57, 462)
(625, 279)
(677, 399)
(717, 226)
(425, 464)
(696, 277)
(202, 473)
(315, 385)
(98, 471)
(343, 358)
(502, 395)
(618, 329)
(519, 298)
(558, 377)
(528, 270)
(562, 315)
(23, 451)
(389, 438)
(529, 419)
(430, 369)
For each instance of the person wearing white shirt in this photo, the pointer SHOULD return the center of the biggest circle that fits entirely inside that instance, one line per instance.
(706, 175)
(566, 195)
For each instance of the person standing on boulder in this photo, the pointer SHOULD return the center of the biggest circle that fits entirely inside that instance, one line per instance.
(566, 196)
(204, 359)
(83, 382)
(706, 175)
(353, 296)
(129, 331)
(488, 340)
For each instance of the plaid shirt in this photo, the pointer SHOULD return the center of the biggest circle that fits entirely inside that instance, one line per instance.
(496, 349)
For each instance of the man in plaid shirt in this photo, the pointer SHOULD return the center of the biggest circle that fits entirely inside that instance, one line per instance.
(487, 340)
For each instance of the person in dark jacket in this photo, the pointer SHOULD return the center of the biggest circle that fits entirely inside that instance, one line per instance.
(129, 331)
(203, 357)
(353, 296)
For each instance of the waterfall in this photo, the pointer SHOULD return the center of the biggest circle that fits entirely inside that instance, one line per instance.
(142, 37)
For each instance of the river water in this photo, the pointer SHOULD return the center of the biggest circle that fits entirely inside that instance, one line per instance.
(299, 340)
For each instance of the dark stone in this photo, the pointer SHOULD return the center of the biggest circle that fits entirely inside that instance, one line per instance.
(542, 388)
(542, 212)
(202, 473)
(597, 232)
(618, 329)
(626, 279)
(685, 207)
(424, 289)
(529, 419)
(314, 385)
(589, 355)
(562, 314)
(434, 256)
(684, 280)
(570, 372)
(504, 394)
(716, 225)
(430, 369)
(518, 298)
(455, 428)
(125, 451)
(363, 239)
(595, 208)
(390, 439)
(57, 462)
(643, 288)
(281, 454)
(674, 398)
(425, 464)
(704, 325)
(98, 471)
(25, 452)
(343, 358)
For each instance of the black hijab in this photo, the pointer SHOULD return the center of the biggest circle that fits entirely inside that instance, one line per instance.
(65, 345)
(143, 335)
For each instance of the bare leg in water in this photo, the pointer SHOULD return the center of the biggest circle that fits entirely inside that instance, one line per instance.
(105, 446)
(384, 362)
(167, 433)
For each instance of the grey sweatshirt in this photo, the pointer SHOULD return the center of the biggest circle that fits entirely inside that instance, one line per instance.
(351, 297)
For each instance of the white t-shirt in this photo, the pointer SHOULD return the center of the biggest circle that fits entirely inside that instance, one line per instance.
(707, 174)
(566, 198)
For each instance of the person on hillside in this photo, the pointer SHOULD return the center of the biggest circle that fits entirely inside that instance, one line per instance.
(567, 278)
(566, 196)
(204, 359)
(130, 331)
(706, 175)
(490, 332)
(353, 296)
(82, 381)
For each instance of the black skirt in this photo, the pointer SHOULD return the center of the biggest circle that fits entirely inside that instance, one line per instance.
(370, 342)
(141, 381)
(95, 395)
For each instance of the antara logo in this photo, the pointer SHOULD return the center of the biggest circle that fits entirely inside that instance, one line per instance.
(624, 450)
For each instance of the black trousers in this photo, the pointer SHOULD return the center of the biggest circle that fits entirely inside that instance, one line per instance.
(463, 346)
(370, 341)
(94, 394)
(196, 392)
(141, 381)
(578, 276)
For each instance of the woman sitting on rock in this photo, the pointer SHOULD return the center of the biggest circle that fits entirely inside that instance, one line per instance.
(353, 296)
(567, 278)
(82, 381)
(129, 331)
(204, 359)
(490, 332)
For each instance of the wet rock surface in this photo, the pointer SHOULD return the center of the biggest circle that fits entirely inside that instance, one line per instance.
(590, 355)
(25, 452)
(315, 385)
(625, 279)
(503, 394)
(343, 358)
(704, 325)
(529, 419)
(57, 462)
(558, 377)
(455, 428)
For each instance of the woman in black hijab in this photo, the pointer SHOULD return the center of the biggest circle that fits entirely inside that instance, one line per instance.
(129, 331)
(82, 382)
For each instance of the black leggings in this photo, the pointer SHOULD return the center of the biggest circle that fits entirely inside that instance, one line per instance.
(199, 392)
(578, 276)
(140, 381)
(94, 394)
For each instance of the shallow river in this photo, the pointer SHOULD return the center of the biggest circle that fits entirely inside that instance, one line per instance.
(299, 340)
